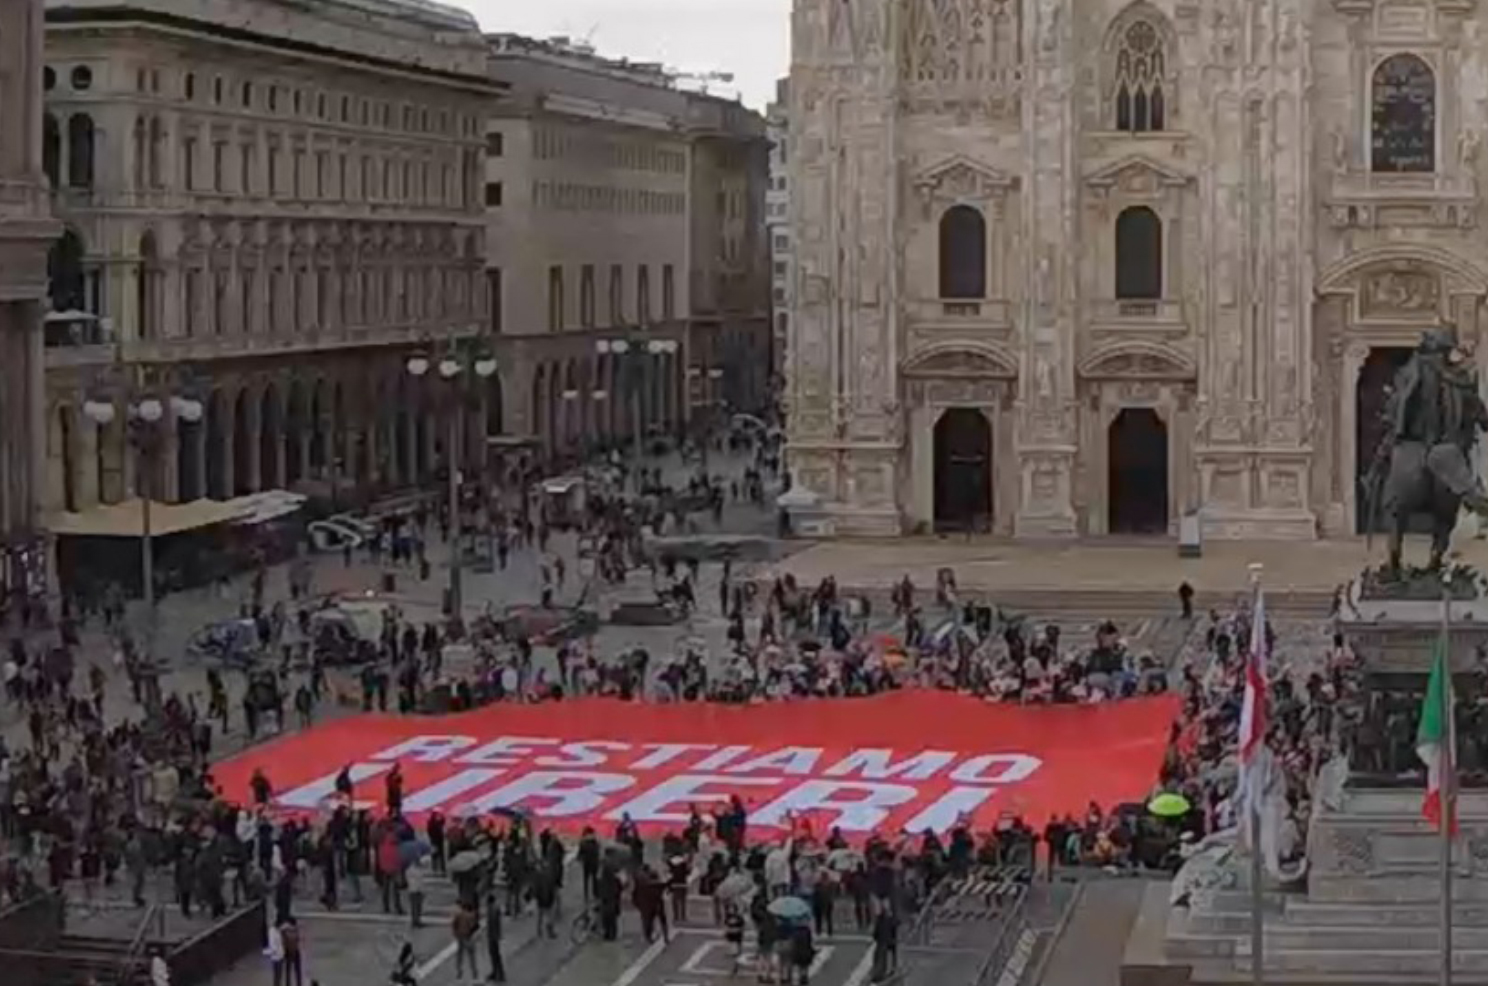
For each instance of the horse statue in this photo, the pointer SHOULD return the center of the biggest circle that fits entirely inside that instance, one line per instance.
(1432, 418)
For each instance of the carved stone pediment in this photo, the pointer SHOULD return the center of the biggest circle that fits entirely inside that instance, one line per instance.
(951, 360)
(1147, 361)
(1138, 174)
(960, 177)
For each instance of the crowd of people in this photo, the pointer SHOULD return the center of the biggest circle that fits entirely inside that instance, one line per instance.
(92, 803)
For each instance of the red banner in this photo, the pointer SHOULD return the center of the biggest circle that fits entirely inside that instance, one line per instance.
(907, 760)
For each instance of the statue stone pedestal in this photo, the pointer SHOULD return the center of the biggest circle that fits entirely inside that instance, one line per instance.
(1368, 909)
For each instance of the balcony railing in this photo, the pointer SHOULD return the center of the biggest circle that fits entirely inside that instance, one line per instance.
(961, 313)
(1138, 314)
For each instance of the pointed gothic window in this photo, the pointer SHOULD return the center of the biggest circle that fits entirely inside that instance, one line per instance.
(1403, 115)
(1141, 64)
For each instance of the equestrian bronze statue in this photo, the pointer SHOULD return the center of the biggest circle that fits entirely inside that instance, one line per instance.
(1432, 417)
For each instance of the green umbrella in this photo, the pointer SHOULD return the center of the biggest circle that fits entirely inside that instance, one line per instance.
(1169, 805)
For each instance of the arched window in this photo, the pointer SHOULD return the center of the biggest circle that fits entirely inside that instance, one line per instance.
(65, 274)
(1141, 63)
(1138, 254)
(963, 253)
(80, 150)
(51, 148)
(1403, 115)
(147, 288)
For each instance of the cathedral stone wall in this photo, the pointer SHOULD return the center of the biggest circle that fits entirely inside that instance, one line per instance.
(1084, 268)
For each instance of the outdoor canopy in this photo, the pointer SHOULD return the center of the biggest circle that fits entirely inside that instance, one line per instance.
(125, 519)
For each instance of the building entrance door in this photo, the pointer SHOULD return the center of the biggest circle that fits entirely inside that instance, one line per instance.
(1375, 377)
(963, 470)
(1137, 491)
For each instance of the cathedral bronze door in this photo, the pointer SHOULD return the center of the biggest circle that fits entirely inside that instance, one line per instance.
(1375, 378)
(1137, 491)
(963, 471)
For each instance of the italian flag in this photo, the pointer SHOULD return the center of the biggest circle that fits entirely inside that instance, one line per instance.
(1436, 738)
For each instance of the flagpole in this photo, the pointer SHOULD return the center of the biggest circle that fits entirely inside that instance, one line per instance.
(1448, 785)
(1253, 808)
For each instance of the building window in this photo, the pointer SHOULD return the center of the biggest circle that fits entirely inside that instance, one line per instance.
(51, 148)
(495, 144)
(495, 299)
(1138, 254)
(188, 163)
(493, 194)
(1403, 117)
(190, 85)
(217, 89)
(82, 78)
(555, 298)
(963, 253)
(668, 292)
(643, 294)
(247, 97)
(219, 156)
(80, 150)
(617, 295)
(1141, 104)
(586, 296)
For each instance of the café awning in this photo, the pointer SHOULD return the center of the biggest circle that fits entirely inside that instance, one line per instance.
(125, 519)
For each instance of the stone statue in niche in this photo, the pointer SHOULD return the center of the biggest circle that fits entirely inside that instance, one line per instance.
(1467, 149)
(1340, 150)
(1049, 30)
(1226, 35)
(1043, 375)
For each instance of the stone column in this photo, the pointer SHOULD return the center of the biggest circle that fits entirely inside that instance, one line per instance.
(89, 487)
(254, 479)
(1348, 406)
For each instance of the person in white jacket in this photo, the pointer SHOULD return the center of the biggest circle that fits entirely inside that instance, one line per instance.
(274, 951)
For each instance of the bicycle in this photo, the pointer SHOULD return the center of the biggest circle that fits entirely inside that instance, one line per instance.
(584, 925)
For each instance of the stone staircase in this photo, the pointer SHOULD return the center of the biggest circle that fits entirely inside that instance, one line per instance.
(1119, 605)
(1324, 942)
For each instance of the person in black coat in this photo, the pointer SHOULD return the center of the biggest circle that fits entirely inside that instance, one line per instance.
(493, 940)
(607, 891)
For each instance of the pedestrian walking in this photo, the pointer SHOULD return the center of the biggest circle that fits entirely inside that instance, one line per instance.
(464, 925)
(493, 941)
(289, 934)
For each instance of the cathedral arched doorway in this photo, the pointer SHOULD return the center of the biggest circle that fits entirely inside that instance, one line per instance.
(1137, 487)
(1375, 377)
(963, 470)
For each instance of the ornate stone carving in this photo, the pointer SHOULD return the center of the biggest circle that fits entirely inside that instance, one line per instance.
(1353, 852)
(962, 55)
(1402, 290)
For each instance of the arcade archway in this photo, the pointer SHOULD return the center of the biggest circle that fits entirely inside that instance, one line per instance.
(1375, 377)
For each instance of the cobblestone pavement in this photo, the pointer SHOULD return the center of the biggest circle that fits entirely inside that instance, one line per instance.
(989, 565)
(356, 944)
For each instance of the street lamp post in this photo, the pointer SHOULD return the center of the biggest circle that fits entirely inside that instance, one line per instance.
(455, 369)
(144, 413)
(631, 354)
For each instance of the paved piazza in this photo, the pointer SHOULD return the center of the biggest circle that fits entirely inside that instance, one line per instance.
(357, 944)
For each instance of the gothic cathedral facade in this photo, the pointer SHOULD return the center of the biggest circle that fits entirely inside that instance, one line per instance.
(1084, 267)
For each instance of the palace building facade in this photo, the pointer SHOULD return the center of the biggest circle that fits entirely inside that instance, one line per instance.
(1068, 269)
(26, 232)
(268, 208)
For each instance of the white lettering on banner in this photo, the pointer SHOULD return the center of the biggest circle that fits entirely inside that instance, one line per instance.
(431, 797)
(719, 758)
(426, 749)
(314, 794)
(589, 753)
(798, 760)
(652, 805)
(942, 815)
(1014, 767)
(558, 786)
(664, 753)
(506, 751)
(877, 765)
(862, 814)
